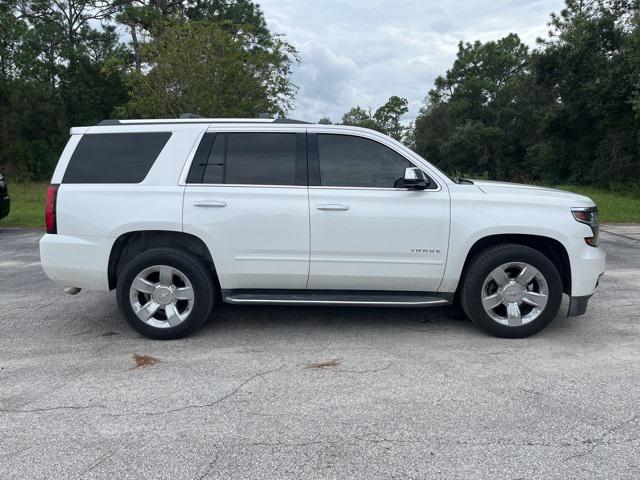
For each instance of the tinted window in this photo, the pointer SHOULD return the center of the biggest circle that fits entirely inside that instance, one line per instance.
(261, 158)
(114, 157)
(199, 162)
(249, 159)
(347, 161)
(215, 163)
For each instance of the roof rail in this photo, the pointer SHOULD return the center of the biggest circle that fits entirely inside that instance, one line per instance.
(290, 120)
(190, 118)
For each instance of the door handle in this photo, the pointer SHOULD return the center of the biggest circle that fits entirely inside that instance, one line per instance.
(333, 206)
(209, 203)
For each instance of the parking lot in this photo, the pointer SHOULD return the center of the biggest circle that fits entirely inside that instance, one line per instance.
(293, 392)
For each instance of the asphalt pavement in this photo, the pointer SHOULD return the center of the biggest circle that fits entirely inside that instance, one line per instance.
(300, 392)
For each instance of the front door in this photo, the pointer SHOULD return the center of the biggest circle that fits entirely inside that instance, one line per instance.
(366, 234)
(246, 196)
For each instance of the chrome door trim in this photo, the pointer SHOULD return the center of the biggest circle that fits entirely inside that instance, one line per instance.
(396, 261)
(390, 189)
(332, 207)
(210, 203)
(244, 185)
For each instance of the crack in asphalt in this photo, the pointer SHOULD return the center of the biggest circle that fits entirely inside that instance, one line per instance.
(50, 409)
(96, 464)
(598, 441)
(204, 405)
(435, 441)
(153, 413)
(209, 467)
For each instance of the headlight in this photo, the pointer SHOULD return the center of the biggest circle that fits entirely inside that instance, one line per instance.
(588, 216)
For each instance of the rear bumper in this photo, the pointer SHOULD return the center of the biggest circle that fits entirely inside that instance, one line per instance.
(5, 206)
(76, 261)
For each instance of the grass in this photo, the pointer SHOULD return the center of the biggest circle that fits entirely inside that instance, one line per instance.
(27, 204)
(612, 207)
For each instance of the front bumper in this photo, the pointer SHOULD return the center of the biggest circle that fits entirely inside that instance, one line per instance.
(5, 206)
(587, 266)
(578, 304)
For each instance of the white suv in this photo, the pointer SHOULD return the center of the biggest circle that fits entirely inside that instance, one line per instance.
(177, 215)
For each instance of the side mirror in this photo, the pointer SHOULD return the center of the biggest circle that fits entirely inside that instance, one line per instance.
(415, 179)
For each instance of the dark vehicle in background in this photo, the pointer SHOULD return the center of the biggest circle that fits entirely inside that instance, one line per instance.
(5, 203)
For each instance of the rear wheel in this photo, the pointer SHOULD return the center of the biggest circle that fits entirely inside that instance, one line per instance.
(511, 291)
(165, 293)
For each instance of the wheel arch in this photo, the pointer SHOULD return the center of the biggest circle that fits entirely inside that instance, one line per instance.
(130, 244)
(550, 247)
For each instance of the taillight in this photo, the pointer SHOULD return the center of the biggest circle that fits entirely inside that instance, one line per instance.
(50, 209)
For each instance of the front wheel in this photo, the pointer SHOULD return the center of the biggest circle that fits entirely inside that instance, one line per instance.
(165, 293)
(511, 291)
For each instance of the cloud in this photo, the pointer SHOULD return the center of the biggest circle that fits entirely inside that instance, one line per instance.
(360, 52)
(326, 81)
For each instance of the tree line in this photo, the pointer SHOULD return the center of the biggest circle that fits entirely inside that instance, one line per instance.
(75, 62)
(566, 111)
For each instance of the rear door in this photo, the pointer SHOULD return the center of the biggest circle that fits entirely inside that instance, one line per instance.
(366, 234)
(246, 197)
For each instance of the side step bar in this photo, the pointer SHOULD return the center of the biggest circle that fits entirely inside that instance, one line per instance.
(337, 297)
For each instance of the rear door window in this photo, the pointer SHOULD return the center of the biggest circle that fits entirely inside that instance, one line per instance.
(240, 158)
(261, 159)
(114, 157)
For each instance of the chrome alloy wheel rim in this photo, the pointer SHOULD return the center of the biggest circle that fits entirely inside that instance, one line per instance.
(161, 296)
(515, 294)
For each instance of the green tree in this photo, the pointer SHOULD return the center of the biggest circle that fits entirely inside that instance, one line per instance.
(359, 117)
(478, 118)
(566, 112)
(238, 17)
(64, 63)
(386, 119)
(589, 68)
(58, 78)
(12, 30)
(199, 67)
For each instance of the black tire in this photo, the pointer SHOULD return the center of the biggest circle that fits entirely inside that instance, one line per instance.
(196, 272)
(491, 258)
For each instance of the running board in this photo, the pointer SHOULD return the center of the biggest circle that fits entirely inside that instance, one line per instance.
(336, 297)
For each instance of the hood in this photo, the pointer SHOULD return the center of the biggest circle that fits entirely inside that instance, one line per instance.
(548, 195)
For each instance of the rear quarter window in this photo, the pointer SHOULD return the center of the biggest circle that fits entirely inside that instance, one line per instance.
(114, 157)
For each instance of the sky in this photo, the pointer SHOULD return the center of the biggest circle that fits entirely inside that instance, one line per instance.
(361, 52)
